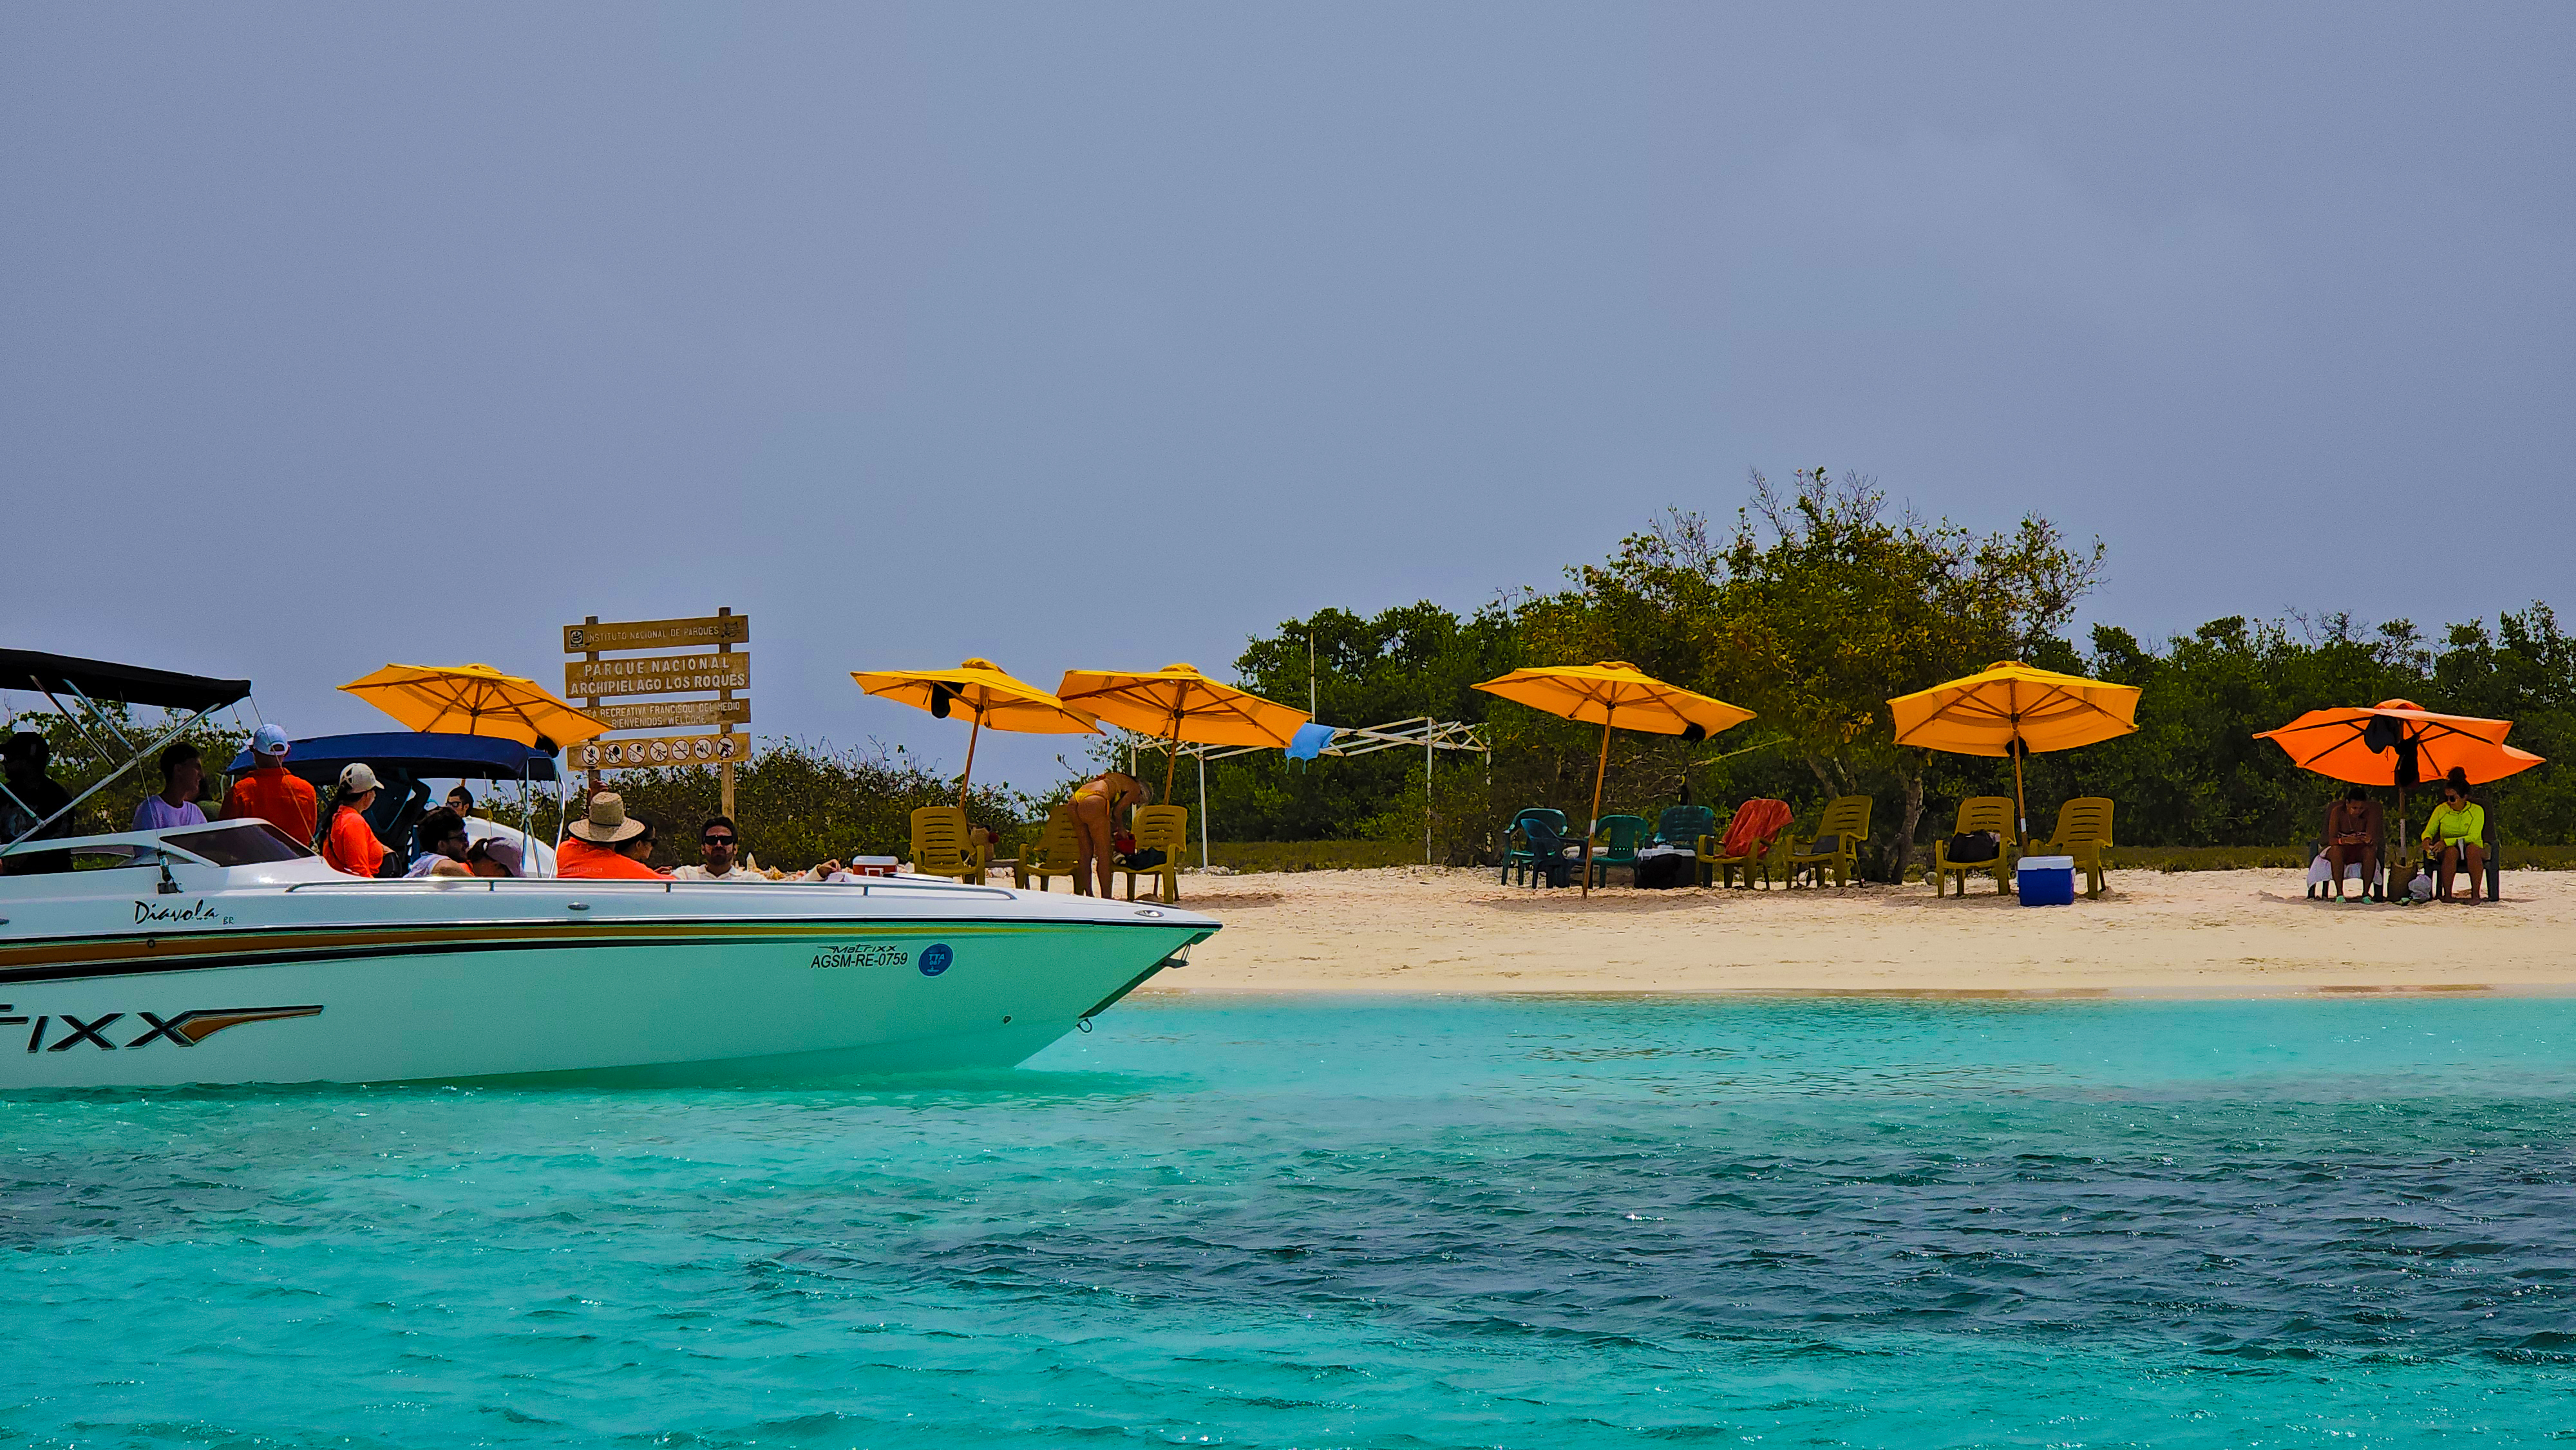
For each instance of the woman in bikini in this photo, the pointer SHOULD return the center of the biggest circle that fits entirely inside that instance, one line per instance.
(1098, 805)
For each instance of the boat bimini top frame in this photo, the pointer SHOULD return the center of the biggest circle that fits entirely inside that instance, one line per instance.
(88, 682)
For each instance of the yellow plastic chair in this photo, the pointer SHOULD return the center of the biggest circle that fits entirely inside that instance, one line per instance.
(1164, 828)
(2083, 832)
(1052, 852)
(1978, 813)
(1718, 869)
(1847, 819)
(941, 846)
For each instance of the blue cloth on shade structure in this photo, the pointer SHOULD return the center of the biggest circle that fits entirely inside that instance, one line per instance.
(1310, 741)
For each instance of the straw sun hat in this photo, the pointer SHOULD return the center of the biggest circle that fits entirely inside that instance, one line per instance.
(608, 824)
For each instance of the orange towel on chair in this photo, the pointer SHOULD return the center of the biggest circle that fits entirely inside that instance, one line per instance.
(1757, 820)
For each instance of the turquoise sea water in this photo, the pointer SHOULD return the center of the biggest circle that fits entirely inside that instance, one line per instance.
(1355, 1223)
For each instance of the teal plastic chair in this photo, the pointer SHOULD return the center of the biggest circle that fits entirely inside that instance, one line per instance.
(1683, 826)
(1517, 854)
(1626, 834)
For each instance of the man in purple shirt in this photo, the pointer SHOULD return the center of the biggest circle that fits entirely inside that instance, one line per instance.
(183, 773)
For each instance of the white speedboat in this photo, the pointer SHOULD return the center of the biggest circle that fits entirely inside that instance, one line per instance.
(228, 953)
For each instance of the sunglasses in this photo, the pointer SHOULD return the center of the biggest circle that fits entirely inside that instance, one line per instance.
(715, 840)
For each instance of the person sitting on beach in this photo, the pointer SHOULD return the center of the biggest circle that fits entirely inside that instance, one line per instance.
(608, 845)
(720, 858)
(2354, 829)
(444, 846)
(351, 845)
(182, 772)
(268, 792)
(1098, 803)
(2457, 830)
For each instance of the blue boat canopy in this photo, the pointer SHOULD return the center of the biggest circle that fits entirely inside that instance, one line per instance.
(416, 754)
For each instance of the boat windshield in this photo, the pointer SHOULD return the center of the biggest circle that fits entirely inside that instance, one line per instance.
(238, 843)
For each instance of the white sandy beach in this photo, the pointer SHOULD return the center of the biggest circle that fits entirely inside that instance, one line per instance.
(2207, 933)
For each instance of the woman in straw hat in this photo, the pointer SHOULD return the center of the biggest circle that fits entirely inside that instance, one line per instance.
(608, 845)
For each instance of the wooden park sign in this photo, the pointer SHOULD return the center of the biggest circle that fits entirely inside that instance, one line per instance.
(636, 752)
(702, 656)
(657, 675)
(673, 714)
(698, 634)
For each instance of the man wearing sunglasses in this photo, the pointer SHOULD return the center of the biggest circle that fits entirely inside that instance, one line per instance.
(720, 858)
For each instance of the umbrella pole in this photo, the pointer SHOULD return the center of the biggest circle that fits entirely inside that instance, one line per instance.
(2021, 812)
(1597, 778)
(971, 737)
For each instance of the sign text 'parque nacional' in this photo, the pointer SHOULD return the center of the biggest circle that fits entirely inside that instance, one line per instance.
(700, 656)
(657, 675)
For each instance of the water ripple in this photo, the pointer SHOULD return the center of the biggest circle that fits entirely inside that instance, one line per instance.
(1436, 1223)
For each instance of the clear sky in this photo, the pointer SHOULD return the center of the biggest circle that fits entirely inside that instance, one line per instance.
(1108, 335)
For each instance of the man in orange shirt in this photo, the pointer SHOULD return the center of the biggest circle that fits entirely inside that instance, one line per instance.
(608, 846)
(270, 794)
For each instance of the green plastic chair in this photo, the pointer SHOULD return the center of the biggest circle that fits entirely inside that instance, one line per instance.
(1684, 825)
(1519, 857)
(1625, 834)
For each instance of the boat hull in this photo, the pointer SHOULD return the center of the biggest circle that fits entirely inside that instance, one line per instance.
(394, 1001)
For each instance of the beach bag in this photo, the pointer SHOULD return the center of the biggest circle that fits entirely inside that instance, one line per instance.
(1824, 845)
(1145, 860)
(1663, 872)
(1975, 846)
(2421, 888)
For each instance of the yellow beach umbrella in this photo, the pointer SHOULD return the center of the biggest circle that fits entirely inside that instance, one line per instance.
(2009, 703)
(984, 690)
(1610, 693)
(475, 700)
(1181, 705)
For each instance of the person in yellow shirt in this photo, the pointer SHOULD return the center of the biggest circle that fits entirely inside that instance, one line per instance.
(2457, 829)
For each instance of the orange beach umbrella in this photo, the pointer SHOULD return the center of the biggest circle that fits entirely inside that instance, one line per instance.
(1615, 692)
(1180, 704)
(2336, 743)
(475, 700)
(985, 691)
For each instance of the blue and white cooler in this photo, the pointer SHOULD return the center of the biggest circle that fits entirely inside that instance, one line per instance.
(2047, 881)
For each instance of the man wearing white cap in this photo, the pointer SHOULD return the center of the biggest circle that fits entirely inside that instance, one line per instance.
(268, 793)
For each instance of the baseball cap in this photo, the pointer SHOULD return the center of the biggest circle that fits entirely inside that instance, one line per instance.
(268, 740)
(357, 776)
